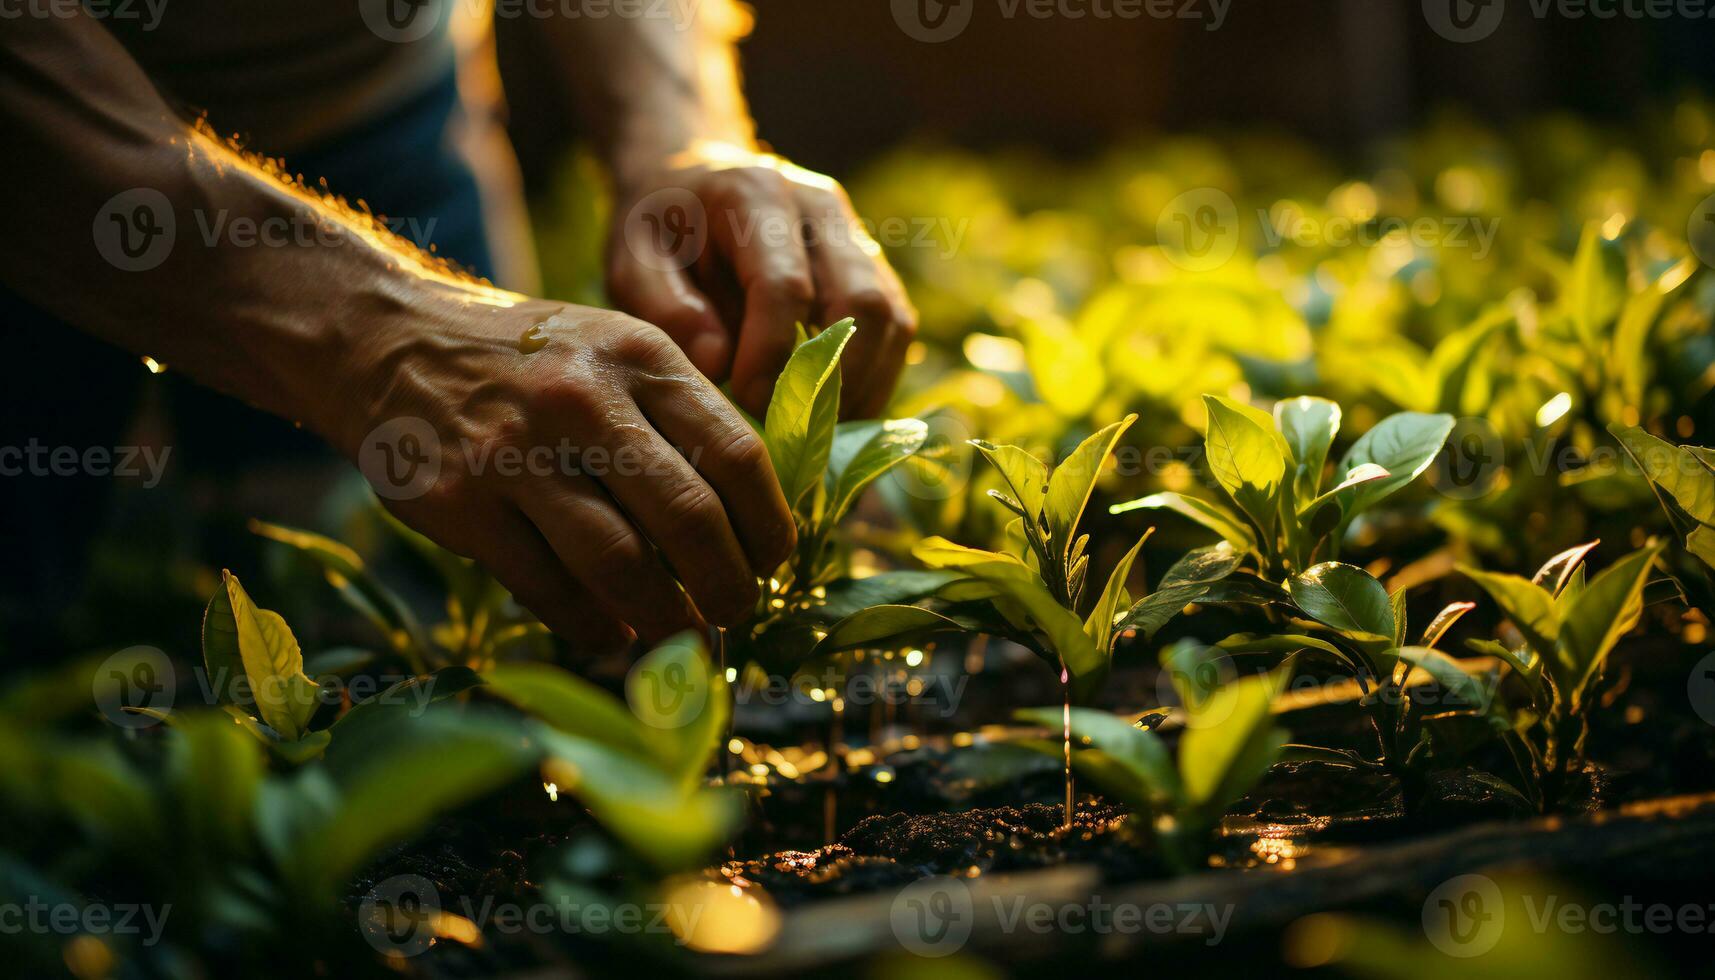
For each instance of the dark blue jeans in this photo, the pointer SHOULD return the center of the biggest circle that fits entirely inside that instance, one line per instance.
(66, 389)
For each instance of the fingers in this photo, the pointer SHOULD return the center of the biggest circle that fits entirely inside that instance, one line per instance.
(666, 298)
(731, 457)
(598, 545)
(674, 507)
(499, 538)
(757, 227)
(853, 280)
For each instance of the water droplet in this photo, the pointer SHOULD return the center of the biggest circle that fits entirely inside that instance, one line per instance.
(532, 340)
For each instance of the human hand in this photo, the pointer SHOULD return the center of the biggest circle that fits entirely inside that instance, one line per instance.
(728, 250)
(578, 456)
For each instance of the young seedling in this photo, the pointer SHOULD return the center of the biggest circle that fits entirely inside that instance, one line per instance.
(255, 669)
(823, 466)
(1341, 613)
(1033, 593)
(1272, 472)
(1569, 628)
(1229, 742)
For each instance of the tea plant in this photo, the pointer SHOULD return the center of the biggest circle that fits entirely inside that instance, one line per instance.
(1569, 627)
(255, 669)
(1228, 744)
(1342, 614)
(823, 466)
(1033, 592)
(1272, 470)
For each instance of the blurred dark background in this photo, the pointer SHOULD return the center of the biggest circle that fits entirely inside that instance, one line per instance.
(835, 82)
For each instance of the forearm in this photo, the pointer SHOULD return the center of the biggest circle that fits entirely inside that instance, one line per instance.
(263, 287)
(653, 87)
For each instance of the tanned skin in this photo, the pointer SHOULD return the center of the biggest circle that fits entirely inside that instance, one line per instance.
(355, 329)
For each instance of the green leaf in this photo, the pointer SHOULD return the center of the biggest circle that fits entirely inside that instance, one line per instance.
(213, 770)
(1630, 349)
(1245, 457)
(862, 452)
(405, 699)
(1609, 606)
(1099, 625)
(1309, 426)
(1444, 621)
(1701, 542)
(323, 824)
(1675, 469)
(799, 428)
(1529, 607)
(1589, 297)
(1018, 582)
(567, 702)
(1145, 765)
(1025, 476)
(1230, 741)
(220, 657)
(850, 596)
(1467, 691)
(1557, 571)
(1211, 515)
(1404, 445)
(273, 664)
(1204, 565)
(885, 625)
(683, 703)
(1397, 603)
(1154, 611)
(645, 808)
(1071, 483)
(1307, 514)
(1345, 597)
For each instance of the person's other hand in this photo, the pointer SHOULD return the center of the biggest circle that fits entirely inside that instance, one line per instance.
(583, 461)
(728, 250)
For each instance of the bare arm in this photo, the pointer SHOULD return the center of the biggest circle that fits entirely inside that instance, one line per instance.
(722, 245)
(342, 327)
